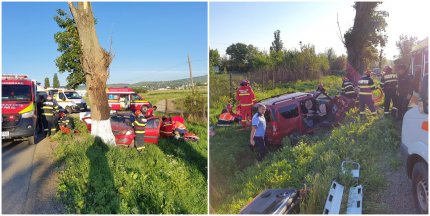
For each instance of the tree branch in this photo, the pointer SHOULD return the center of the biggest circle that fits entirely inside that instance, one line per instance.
(340, 32)
(72, 9)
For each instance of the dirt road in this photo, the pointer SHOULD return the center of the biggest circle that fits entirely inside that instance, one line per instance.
(29, 180)
(171, 106)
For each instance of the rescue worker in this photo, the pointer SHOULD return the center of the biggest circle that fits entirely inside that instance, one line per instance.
(348, 89)
(179, 129)
(404, 90)
(150, 112)
(139, 129)
(166, 129)
(389, 86)
(246, 98)
(39, 113)
(49, 116)
(64, 123)
(366, 86)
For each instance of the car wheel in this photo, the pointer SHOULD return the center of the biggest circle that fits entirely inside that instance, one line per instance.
(69, 110)
(420, 186)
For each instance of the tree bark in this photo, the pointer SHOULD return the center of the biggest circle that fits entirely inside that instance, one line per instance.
(95, 62)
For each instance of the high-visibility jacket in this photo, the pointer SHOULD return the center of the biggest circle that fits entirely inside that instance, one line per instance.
(49, 109)
(347, 87)
(245, 96)
(366, 85)
(139, 125)
(166, 127)
(178, 125)
(389, 82)
(226, 117)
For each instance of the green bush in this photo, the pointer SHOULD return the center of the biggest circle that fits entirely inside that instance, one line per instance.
(168, 178)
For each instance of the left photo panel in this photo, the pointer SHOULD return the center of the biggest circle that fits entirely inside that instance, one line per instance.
(104, 108)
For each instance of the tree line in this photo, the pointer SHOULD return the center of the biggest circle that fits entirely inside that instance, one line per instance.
(55, 82)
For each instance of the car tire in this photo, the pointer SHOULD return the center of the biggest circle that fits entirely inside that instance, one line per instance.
(69, 110)
(31, 140)
(420, 186)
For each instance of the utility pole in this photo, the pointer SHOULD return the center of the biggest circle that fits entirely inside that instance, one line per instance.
(191, 73)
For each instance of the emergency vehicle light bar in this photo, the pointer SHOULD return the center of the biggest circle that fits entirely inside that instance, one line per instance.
(11, 76)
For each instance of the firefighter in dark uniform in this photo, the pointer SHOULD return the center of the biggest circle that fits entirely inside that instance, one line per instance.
(404, 90)
(348, 89)
(139, 129)
(366, 86)
(49, 116)
(389, 86)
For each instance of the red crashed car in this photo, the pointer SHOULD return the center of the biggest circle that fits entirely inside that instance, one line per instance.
(124, 134)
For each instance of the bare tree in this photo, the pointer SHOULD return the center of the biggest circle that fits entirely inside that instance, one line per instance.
(95, 63)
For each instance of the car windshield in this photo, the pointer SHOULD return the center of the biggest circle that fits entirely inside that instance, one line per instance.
(72, 95)
(16, 93)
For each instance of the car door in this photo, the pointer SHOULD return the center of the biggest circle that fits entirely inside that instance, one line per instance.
(152, 130)
(289, 119)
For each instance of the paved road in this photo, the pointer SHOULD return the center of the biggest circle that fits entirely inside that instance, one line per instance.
(28, 178)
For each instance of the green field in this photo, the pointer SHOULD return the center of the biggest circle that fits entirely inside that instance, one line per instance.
(236, 177)
(168, 178)
(155, 96)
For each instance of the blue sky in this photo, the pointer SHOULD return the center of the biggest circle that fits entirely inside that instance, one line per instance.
(309, 22)
(150, 40)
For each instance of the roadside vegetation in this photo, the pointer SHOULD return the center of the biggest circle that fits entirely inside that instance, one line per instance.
(168, 178)
(237, 177)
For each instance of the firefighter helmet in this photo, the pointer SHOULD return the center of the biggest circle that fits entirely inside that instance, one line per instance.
(243, 83)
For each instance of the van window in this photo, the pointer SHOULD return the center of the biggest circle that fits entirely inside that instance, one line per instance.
(113, 97)
(135, 97)
(153, 123)
(290, 111)
(72, 95)
(61, 95)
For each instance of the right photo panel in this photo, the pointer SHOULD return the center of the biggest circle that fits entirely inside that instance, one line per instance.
(318, 107)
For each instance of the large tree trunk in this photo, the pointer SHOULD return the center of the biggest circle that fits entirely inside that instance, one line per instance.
(95, 62)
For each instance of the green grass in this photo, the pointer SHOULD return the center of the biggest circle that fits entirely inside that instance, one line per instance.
(168, 178)
(155, 96)
(236, 177)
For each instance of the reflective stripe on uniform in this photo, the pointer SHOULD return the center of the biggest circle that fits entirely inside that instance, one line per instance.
(47, 107)
(365, 93)
(362, 112)
(387, 81)
(350, 92)
(165, 132)
(348, 86)
(167, 124)
(246, 104)
(139, 124)
(139, 132)
(47, 114)
(53, 129)
(244, 94)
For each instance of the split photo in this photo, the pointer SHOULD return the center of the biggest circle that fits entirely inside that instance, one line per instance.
(312, 104)
(104, 108)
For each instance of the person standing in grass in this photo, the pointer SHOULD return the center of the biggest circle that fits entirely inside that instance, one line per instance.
(389, 86)
(258, 131)
(139, 125)
(404, 90)
(366, 86)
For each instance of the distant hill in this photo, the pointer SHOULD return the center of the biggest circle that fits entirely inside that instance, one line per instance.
(199, 80)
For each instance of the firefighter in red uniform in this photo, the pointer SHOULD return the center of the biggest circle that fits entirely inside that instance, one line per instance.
(366, 86)
(246, 98)
(139, 129)
(166, 129)
(150, 112)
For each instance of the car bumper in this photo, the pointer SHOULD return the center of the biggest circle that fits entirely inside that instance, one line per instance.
(24, 129)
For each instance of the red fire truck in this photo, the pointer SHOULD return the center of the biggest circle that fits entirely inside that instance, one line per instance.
(19, 114)
(121, 99)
